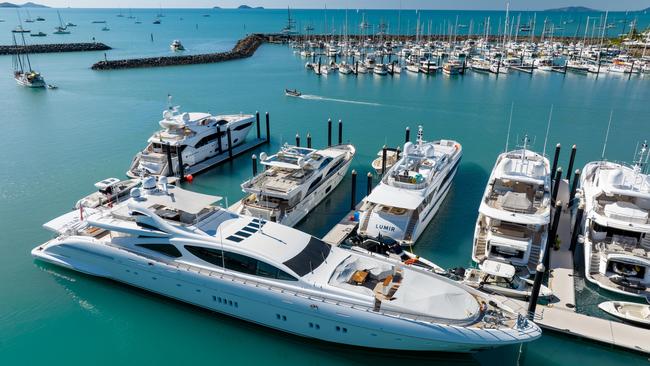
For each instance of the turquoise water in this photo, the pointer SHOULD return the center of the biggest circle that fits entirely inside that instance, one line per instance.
(57, 143)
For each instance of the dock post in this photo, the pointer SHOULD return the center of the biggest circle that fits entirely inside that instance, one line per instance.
(268, 129)
(257, 121)
(353, 197)
(369, 184)
(574, 187)
(573, 157)
(556, 184)
(407, 136)
(340, 132)
(219, 147)
(329, 132)
(557, 156)
(566, 65)
(384, 155)
(537, 285)
(397, 153)
(181, 169)
(464, 65)
(229, 143)
(254, 159)
(297, 139)
(168, 152)
(308, 140)
(631, 70)
(550, 239)
(576, 227)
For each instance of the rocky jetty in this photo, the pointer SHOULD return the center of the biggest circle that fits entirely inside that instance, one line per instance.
(245, 47)
(54, 48)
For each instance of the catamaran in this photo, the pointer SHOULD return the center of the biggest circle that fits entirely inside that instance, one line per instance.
(512, 224)
(182, 245)
(190, 140)
(411, 191)
(616, 229)
(294, 181)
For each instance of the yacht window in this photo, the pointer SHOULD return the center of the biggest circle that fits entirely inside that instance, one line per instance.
(243, 126)
(314, 184)
(166, 249)
(240, 263)
(206, 140)
(312, 256)
(335, 167)
(222, 122)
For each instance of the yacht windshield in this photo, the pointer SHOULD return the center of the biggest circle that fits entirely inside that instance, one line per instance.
(312, 256)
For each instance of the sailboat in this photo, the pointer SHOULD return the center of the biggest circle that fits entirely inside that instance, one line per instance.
(61, 29)
(23, 73)
(29, 18)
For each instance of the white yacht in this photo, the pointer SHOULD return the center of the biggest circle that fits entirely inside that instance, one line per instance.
(412, 190)
(513, 219)
(176, 45)
(195, 138)
(616, 230)
(179, 244)
(294, 181)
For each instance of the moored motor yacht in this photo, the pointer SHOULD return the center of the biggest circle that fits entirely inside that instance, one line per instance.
(514, 214)
(189, 142)
(411, 191)
(180, 244)
(616, 227)
(294, 181)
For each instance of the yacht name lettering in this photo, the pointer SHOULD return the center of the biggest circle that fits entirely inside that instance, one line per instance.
(385, 227)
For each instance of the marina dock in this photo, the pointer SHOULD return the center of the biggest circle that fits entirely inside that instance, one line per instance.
(225, 156)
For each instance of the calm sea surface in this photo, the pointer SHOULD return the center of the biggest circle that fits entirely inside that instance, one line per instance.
(56, 143)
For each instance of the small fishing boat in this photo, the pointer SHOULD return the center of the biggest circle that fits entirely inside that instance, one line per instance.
(40, 19)
(177, 46)
(500, 278)
(105, 28)
(156, 21)
(627, 311)
(292, 93)
(39, 34)
(99, 21)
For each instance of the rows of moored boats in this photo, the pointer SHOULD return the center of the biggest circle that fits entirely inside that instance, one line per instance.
(247, 261)
(476, 54)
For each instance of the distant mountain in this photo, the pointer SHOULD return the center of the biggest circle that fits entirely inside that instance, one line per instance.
(574, 9)
(249, 7)
(25, 5)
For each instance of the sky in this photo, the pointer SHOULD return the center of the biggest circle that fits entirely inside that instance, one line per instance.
(353, 4)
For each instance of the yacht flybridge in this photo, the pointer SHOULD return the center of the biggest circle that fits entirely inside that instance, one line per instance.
(294, 181)
(180, 244)
(411, 192)
(617, 226)
(514, 214)
(191, 139)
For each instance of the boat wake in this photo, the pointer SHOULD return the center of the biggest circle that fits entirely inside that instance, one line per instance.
(316, 97)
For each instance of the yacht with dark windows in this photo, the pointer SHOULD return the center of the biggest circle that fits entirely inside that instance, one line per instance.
(182, 245)
(411, 191)
(294, 181)
(616, 227)
(191, 140)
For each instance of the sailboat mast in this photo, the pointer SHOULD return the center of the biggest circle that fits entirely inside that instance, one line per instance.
(29, 64)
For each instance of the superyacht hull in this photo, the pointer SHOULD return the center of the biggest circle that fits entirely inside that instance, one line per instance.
(292, 310)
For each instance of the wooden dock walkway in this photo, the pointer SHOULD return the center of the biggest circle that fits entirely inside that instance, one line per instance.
(341, 230)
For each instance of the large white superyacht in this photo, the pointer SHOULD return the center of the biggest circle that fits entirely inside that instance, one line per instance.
(190, 140)
(180, 244)
(616, 229)
(513, 219)
(411, 192)
(294, 181)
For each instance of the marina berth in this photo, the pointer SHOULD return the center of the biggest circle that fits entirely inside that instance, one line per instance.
(184, 246)
(411, 191)
(513, 219)
(616, 229)
(294, 181)
(188, 141)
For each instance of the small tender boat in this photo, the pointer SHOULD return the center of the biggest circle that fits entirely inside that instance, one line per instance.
(628, 311)
(156, 21)
(20, 29)
(39, 34)
(500, 278)
(391, 158)
(292, 93)
(110, 191)
(177, 46)
(40, 19)
(105, 29)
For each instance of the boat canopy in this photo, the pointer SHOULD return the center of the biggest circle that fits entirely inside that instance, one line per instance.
(395, 197)
(494, 268)
(502, 241)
